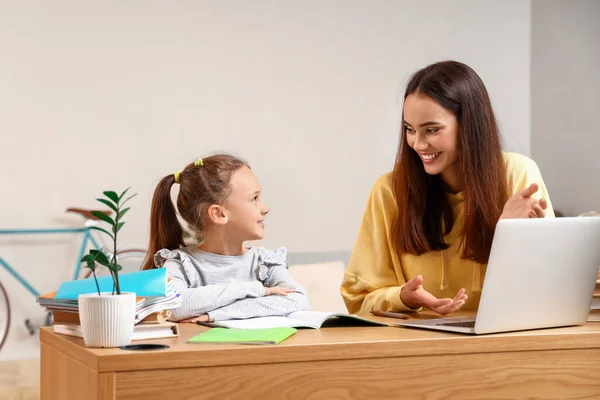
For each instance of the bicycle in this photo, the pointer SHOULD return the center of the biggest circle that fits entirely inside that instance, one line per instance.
(130, 260)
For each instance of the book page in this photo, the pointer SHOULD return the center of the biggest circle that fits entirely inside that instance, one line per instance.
(259, 323)
(155, 333)
(318, 319)
(314, 319)
(298, 319)
(271, 322)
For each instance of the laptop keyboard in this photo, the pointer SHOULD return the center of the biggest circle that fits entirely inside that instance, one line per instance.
(464, 324)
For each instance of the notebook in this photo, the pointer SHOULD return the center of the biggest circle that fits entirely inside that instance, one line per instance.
(140, 332)
(299, 319)
(147, 283)
(250, 336)
(70, 317)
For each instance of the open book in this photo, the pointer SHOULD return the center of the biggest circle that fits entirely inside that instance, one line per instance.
(299, 319)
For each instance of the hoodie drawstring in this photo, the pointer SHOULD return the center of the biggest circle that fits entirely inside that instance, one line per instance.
(476, 279)
(444, 279)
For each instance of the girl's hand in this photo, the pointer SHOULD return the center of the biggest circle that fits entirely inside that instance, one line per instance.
(193, 320)
(521, 205)
(281, 291)
(413, 295)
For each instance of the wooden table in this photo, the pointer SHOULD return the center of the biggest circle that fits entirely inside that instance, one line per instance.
(333, 363)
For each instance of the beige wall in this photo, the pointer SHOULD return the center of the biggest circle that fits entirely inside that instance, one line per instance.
(565, 102)
(97, 95)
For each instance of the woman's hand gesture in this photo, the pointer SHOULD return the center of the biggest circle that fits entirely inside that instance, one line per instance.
(413, 295)
(522, 205)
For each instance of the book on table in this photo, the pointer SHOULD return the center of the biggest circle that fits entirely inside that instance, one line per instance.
(299, 319)
(140, 331)
(72, 317)
(147, 283)
(145, 306)
(595, 306)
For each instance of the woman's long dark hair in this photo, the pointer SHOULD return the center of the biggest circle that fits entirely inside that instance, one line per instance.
(424, 212)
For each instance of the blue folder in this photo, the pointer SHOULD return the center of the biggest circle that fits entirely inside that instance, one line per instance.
(148, 283)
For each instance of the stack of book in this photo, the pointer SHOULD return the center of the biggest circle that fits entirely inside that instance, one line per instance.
(156, 295)
(146, 309)
(595, 309)
(140, 331)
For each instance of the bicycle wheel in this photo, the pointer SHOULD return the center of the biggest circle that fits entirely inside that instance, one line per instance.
(130, 259)
(4, 315)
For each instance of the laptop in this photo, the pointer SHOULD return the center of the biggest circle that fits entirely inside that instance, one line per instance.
(541, 274)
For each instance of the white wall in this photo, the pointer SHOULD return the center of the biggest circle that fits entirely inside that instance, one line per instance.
(565, 101)
(113, 94)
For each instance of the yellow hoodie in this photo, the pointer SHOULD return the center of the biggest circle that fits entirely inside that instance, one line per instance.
(376, 274)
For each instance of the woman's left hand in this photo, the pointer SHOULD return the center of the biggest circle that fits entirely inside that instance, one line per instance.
(522, 205)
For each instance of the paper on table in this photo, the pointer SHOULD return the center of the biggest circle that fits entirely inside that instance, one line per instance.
(246, 336)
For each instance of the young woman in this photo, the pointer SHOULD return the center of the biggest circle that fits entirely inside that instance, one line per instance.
(427, 229)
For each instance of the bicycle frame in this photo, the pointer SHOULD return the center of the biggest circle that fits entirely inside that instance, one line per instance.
(87, 236)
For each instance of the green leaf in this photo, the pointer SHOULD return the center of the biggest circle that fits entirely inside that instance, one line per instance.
(87, 257)
(101, 258)
(101, 262)
(103, 217)
(133, 195)
(123, 194)
(112, 267)
(91, 265)
(97, 228)
(112, 195)
(122, 212)
(120, 226)
(94, 254)
(109, 203)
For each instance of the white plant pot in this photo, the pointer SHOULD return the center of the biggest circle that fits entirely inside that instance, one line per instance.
(107, 320)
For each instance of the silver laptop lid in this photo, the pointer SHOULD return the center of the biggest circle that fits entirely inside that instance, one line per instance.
(541, 273)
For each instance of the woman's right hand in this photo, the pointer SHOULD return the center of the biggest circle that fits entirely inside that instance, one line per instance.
(281, 291)
(522, 205)
(413, 295)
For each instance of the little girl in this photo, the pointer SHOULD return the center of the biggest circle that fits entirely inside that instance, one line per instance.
(220, 279)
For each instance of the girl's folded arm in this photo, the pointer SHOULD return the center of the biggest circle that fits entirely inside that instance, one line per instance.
(274, 305)
(200, 300)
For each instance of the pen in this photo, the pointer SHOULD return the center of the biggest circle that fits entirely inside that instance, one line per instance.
(390, 314)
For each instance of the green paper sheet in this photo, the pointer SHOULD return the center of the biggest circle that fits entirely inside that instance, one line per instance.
(244, 336)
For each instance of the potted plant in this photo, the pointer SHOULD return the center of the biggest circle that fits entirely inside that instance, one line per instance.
(108, 318)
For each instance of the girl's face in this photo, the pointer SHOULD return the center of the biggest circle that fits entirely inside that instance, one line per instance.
(432, 132)
(244, 207)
